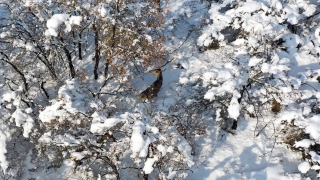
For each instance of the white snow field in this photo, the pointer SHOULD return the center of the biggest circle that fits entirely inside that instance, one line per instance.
(238, 100)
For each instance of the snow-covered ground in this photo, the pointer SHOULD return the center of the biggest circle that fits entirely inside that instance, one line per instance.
(239, 97)
(241, 154)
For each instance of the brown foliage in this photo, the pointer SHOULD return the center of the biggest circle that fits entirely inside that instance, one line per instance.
(133, 43)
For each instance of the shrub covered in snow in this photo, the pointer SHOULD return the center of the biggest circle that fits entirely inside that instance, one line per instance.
(240, 80)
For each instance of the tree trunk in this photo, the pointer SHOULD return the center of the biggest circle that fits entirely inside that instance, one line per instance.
(79, 47)
(69, 58)
(97, 51)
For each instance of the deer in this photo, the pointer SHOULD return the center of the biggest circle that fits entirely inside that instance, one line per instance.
(152, 90)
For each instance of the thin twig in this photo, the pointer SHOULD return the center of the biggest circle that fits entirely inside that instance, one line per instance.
(261, 130)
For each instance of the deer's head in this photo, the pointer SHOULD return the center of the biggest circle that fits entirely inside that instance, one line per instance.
(156, 72)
